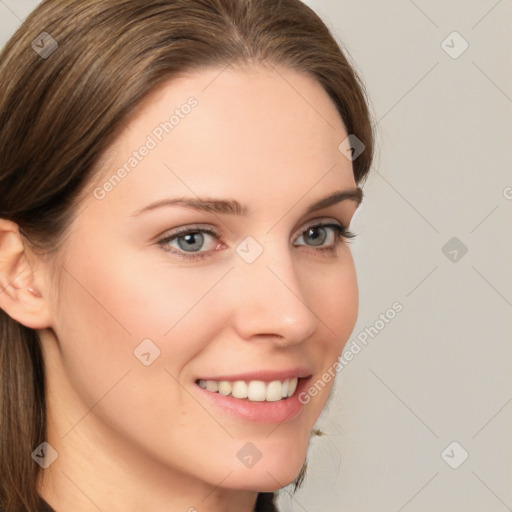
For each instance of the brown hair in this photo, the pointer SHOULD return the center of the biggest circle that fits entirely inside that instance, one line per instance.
(60, 111)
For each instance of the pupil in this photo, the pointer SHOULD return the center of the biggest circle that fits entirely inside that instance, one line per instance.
(317, 240)
(191, 242)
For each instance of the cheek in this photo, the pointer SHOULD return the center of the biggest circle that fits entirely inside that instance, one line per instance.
(107, 310)
(334, 297)
(112, 306)
(127, 299)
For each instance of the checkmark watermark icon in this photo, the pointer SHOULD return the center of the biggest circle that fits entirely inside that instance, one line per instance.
(44, 45)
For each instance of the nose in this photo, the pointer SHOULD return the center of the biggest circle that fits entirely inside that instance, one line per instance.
(268, 301)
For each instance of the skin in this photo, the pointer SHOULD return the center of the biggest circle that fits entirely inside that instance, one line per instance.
(136, 438)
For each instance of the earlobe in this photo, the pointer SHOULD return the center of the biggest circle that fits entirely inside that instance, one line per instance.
(21, 294)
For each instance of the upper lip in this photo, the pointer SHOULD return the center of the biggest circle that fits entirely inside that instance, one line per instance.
(264, 375)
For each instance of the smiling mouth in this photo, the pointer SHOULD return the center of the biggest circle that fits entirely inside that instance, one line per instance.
(253, 390)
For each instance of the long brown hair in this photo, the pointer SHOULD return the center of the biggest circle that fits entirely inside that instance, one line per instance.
(69, 77)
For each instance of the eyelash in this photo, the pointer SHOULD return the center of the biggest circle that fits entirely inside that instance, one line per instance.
(340, 233)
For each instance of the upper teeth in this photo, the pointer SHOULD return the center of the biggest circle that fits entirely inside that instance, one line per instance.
(254, 390)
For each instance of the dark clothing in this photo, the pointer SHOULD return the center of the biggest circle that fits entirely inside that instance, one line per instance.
(264, 503)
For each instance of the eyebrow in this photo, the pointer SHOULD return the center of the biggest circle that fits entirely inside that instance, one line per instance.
(233, 207)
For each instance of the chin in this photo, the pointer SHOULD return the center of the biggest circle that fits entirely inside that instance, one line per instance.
(270, 473)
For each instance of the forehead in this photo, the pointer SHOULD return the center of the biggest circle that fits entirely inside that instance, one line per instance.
(235, 131)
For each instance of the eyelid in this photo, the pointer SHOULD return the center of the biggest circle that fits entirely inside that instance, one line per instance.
(184, 230)
(315, 222)
(192, 227)
(208, 228)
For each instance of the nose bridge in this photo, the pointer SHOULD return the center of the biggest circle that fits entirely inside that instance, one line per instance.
(269, 299)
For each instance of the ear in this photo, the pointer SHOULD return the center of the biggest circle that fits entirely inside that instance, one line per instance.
(22, 281)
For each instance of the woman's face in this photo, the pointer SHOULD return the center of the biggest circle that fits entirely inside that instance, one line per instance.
(142, 317)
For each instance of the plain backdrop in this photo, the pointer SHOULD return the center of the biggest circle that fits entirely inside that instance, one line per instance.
(421, 416)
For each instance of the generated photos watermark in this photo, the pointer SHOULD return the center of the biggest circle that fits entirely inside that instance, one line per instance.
(156, 136)
(350, 351)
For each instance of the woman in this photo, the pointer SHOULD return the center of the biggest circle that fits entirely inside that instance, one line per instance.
(178, 178)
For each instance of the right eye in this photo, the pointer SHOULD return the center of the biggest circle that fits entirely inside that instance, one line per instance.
(189, 242)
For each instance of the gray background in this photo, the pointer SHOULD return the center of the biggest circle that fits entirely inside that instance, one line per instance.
(441, 370)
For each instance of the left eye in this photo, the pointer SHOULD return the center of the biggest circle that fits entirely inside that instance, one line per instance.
(319, 233)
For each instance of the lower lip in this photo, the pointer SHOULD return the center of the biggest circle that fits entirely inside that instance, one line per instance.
(264, 412)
